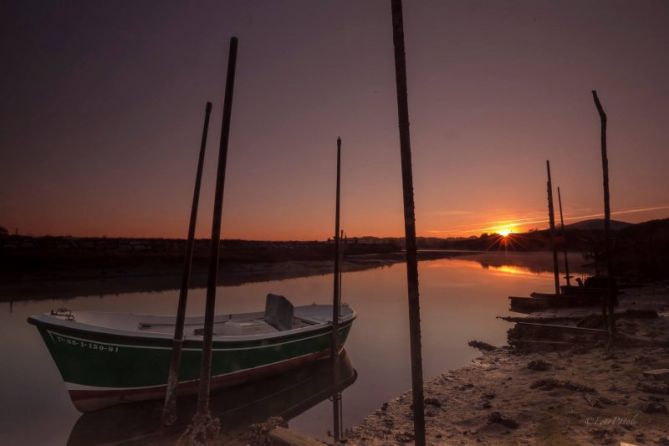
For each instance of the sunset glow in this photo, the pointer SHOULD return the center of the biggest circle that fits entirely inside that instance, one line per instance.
(220, 194)
(490, 178)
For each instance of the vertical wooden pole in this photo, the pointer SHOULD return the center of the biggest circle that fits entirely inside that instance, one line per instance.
(607, 213)
(207, 341)
(409, 225)
(564, 240)
(551, 219)
(334, 349)
(170, 404)
(342, 248)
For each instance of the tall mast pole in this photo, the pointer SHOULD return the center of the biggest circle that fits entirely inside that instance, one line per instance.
(170, 404)
(409, 225)
(564, 240)
(334, 350)
(207, 341)
(551, 219)
(607, 213)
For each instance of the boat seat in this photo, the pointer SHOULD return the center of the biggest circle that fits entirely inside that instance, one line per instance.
(239, 328)
(300, 322)
(248, 327)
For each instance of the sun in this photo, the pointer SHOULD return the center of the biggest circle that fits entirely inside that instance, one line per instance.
(505, 232)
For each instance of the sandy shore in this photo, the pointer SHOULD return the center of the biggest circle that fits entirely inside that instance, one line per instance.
(572, 391)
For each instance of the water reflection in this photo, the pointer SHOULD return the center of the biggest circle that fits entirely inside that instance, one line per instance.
(459, 301)
(529, 262)
(286, 395)
(516, 270)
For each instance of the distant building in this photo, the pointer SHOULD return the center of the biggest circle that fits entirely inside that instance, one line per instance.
(4, 232)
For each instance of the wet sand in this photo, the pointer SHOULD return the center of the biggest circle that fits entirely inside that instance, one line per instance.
(578, 393)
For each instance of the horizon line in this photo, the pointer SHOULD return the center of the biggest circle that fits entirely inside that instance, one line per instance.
(483, 231)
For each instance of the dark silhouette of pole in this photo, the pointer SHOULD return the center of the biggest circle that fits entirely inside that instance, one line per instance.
(607, 215)
(205, 370)
(551, 219)
(409, 225)
(170, 405)
(564, 240)
(336, 301)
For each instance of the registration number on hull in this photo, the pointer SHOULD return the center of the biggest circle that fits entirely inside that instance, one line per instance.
(84, 344)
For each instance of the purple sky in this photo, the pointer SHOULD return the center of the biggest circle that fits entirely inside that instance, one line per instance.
(101, 105)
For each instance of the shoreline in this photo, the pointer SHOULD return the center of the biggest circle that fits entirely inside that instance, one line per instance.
(156, 278)
(579, 393)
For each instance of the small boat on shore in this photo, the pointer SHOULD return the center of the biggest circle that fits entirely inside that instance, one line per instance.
(111, 358)
(523, 304)
(572, 296)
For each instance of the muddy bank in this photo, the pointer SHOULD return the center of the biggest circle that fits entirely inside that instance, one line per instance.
(575, 391)
(149, 276)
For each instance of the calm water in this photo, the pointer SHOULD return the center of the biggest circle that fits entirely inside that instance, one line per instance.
(459, 302)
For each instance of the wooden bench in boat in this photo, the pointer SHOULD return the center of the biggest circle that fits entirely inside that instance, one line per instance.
(249, 327)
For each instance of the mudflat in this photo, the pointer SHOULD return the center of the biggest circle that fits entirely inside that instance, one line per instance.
(573, 391)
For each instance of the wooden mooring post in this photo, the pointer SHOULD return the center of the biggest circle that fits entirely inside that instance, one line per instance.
(170, 404)
(564, 240)
(202, 416)
(336, 302)
(409, 225)
(551, 220)
(608, 304)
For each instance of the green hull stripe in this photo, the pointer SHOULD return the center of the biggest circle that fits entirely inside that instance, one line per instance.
(90, 361)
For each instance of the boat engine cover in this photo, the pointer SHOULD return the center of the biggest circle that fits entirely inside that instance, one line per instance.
(279, 312)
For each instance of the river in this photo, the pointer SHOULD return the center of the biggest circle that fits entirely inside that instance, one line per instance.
(460, 298)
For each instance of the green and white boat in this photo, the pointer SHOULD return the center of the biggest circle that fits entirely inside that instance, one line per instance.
(111, 358)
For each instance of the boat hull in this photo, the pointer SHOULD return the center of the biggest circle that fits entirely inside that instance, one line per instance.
(285, 395)
(103, 369)
(547, 301)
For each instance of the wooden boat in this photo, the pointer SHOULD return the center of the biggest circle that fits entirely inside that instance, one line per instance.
(528, 304)
(111, 358)
(286, 395)
(545, 301)
(583, 290)
(589, 294)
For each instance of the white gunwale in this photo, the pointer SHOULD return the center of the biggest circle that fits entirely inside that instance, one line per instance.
(134, 325)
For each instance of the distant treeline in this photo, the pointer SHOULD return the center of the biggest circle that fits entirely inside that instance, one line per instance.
(639, 250)
(30, 254)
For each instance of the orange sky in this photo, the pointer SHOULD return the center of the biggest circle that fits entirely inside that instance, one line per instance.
(102, 107)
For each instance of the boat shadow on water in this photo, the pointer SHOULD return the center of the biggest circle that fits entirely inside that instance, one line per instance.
(286, 395)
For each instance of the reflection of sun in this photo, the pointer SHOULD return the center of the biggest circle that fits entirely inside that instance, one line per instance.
(514, 270)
